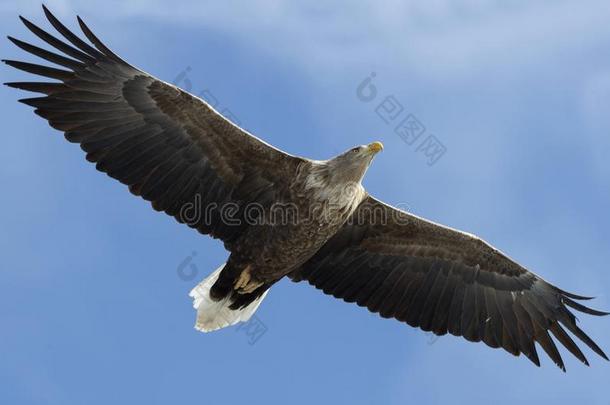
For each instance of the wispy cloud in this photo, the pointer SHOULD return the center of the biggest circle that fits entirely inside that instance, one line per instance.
(440, 37)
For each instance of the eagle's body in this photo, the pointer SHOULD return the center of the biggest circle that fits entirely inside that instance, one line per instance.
(282, 215)
(289, 231)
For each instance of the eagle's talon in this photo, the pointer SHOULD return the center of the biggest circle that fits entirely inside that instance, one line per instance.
(250, 287)
(245, 284)
(243, 280)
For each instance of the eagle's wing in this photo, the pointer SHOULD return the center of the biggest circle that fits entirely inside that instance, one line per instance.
(443, 280)
(168, 146)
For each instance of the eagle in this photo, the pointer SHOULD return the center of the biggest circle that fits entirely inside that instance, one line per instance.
(281, 215)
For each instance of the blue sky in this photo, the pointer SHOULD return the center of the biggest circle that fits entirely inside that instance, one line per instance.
(93, 297)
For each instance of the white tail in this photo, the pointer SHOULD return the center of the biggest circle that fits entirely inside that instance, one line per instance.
(213, 315)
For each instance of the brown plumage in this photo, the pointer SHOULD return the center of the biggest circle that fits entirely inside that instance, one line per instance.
(174, 150)
(444, 281)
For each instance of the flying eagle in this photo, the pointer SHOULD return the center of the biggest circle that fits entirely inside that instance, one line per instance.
(282, 215)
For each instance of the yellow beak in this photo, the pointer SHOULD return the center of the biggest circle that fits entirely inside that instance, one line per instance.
(375, 147)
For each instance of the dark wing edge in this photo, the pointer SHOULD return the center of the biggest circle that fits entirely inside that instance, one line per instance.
(445, 281)
(169, 147)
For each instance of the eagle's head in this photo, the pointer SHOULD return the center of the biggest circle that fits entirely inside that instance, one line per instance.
(351, 165)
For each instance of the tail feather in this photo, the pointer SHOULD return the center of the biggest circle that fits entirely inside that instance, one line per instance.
(213, 315)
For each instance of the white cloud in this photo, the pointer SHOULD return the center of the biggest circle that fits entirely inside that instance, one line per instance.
(439, 37)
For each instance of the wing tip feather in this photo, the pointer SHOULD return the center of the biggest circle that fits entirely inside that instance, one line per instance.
(572, 295)
(27, 22)
(48, 13)
(582, 308)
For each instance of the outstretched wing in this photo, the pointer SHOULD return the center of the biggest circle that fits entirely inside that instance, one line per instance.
(443, 280)
(168, 146)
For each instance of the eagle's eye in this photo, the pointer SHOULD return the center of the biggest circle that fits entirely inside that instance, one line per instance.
(356, 150)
